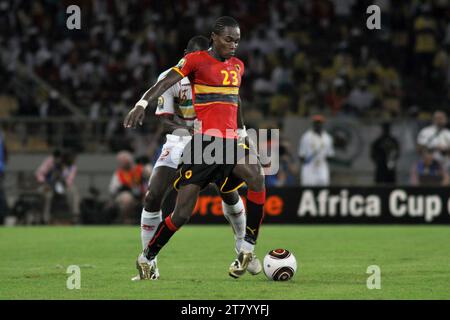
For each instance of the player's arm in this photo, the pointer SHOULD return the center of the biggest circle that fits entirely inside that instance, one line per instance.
(137, 114)
(165, 111)
(170, 125)
(242, 132)
(242, 135)
(240, 117)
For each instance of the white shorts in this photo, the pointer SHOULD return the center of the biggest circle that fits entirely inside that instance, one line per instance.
(171, 151)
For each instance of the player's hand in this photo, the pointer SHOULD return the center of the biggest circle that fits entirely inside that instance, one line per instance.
(135, 116)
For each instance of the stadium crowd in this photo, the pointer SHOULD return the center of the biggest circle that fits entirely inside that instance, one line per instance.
(300, 55)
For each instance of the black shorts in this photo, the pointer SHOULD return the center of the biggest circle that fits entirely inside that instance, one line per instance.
(209, 159)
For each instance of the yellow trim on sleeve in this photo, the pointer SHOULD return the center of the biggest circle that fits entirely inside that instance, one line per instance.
(179, 71)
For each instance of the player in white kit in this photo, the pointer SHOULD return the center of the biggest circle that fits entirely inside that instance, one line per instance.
(176, 111)
(316, 147)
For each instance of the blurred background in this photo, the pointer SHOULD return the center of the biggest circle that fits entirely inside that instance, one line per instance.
(65, 93)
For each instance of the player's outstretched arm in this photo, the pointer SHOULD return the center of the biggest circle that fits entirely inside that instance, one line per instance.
(170, 125)
(137, 114)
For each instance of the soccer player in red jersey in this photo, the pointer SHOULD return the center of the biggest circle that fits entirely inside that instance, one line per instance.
(215, 76)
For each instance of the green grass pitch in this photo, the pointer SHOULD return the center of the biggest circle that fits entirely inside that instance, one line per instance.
(333, 260)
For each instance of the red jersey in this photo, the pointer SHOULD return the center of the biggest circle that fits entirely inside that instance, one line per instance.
(215, 91)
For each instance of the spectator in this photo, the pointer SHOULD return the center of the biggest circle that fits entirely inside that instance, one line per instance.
(316, 148)
(57, 175)
(3, 158)
(385, 151)
(360, 98)
(436, 138)
(428, 171)
(127, 187)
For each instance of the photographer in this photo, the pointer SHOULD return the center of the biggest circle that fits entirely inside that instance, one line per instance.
(56, 176)
(128, 187)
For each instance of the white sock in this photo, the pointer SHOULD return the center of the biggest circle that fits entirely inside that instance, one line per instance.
(235, 214)
(247, 246)
(149, 223)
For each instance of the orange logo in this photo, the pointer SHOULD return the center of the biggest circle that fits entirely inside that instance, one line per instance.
(188, 174)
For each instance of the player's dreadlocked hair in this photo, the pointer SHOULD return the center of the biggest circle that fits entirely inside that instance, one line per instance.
(223, 22)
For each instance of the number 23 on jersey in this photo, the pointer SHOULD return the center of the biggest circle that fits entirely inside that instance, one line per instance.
(230, 77)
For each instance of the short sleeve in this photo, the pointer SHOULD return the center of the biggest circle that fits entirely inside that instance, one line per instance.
(187, 64)
(165, 103)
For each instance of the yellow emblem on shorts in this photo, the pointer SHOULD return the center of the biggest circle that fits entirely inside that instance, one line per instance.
(188, 174)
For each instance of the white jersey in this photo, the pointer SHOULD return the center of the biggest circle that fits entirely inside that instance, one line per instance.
(315, 149)
(434, 138)
(176, 101)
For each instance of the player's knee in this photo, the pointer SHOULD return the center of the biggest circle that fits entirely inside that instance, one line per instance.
(256, 182)
(230, 198)
(152, 200)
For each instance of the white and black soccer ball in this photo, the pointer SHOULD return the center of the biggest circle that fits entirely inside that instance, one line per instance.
(279, 265)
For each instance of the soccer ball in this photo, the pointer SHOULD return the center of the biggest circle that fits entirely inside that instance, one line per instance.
(279, 265)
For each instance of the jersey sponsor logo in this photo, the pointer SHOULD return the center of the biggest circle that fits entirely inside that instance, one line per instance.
(238, 67)
(181, 63)
(160, 103)
(183, 96)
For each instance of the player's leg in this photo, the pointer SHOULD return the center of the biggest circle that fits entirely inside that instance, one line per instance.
(252, 173)
(234, 211)
(185, 203)
(160, 181)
